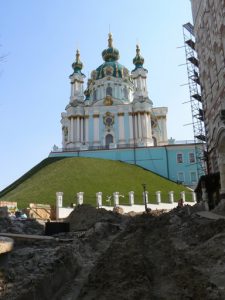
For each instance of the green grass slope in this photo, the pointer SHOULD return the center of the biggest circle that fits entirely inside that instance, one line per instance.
(35, 169)
(88, 175)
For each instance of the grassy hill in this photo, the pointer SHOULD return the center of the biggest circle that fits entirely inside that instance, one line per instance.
(88, 175)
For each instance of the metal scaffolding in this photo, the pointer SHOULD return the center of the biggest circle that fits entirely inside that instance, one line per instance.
(195, 98)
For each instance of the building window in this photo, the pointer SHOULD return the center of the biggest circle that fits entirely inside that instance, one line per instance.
(179, 158)
(125, 92)
(109, 91)
(191, 157)
(180, 177)
(193, 176)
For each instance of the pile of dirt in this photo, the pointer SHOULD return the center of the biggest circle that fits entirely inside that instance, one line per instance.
(155, 255)
(86, 216)
(163, 257)
(25, 226)
(220, 208)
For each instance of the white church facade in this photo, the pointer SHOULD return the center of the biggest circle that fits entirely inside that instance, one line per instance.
(114, 111)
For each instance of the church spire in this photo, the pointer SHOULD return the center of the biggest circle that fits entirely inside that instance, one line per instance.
(77, 65)
(139, 75)
(77, 80)
(138, 61)
(110, 40)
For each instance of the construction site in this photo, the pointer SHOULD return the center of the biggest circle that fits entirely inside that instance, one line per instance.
(162, 250)
(108, 255)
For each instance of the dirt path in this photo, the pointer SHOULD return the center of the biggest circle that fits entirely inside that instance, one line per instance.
(145, 262)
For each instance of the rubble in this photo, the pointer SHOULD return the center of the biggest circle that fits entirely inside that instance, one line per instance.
(154, 255)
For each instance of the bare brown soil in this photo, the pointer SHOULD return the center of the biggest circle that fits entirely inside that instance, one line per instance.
(175, 255)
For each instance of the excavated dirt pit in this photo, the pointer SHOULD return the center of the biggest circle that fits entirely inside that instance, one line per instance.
(175, 255)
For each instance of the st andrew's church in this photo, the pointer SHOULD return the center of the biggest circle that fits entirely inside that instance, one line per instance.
(114, 118)
(114, 111)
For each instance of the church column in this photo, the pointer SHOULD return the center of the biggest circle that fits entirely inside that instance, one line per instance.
(78, 129)
(75, 129)
(96, 129)
(71, 130)
(149, 127)
(121, 128)
(81, 129)
(143, 125)
(136, 126)
(139, 126)
(86, 126)
(131, 128)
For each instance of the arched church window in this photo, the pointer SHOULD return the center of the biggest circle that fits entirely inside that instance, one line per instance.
(94, 95)
(125, 92)
(109, 91)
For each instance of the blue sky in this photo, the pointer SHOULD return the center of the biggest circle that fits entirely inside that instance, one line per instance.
(40, 39)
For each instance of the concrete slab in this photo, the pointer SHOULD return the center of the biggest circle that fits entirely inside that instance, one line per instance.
(210, 215)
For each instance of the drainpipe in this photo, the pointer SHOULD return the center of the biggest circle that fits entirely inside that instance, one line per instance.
(167, 164)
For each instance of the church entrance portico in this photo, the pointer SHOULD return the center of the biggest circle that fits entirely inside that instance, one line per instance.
(108, 140)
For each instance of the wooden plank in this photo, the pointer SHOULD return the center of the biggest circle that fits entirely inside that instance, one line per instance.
(28, 236)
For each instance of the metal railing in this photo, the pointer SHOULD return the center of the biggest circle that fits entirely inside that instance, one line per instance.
(117, 146)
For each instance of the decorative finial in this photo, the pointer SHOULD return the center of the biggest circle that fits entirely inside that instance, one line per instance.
(110, 40)
(137, 49)
(77, 56)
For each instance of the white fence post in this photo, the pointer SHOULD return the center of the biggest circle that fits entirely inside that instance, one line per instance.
(99, 199)
(182, 195)
(131, 198)
(116, 199)
(158, 197)
(171, 197)
(145, 196)
(80, 198)
(59, 203)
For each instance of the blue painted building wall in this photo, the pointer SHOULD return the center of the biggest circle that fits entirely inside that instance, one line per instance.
(161, 160)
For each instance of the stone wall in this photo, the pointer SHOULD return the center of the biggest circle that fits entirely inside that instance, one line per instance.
(209, 28)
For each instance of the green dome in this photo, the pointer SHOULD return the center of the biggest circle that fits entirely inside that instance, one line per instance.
(110, 68)
(111, 53)
(138, 61)
(77, 65)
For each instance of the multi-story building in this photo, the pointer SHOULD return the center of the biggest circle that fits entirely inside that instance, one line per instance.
(209, 30)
